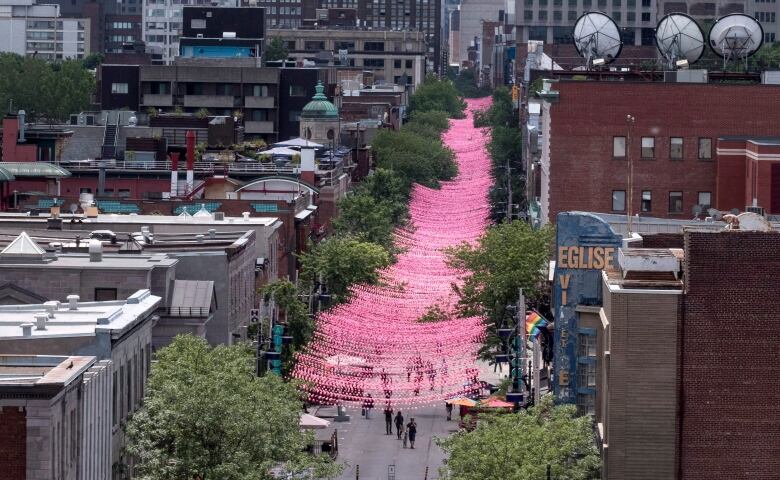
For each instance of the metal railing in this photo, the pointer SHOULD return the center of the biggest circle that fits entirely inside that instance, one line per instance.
(187, 311)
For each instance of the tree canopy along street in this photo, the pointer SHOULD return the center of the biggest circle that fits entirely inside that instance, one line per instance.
(401, 341)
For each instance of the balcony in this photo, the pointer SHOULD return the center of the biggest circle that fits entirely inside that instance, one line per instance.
(209, 101)
(259, 102)
(258, 127)
(157, 100)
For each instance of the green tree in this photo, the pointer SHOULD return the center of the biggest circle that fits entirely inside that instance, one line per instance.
(275, 50)
(207, 416)
(506, 258)
(415, 157)
(466, 83)
(520, 446)
(93, 60)
(437, 94)
(340, 262)
(363, 217)
(293, 312)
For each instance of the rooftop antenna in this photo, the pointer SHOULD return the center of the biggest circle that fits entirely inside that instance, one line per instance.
(597, 39)
(680, 40)
(736, 37)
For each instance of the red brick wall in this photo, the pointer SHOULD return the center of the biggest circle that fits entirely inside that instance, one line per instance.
(13, 443)
(589, 114)
(730, 400)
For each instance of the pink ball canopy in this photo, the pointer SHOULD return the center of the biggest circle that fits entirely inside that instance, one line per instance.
(374, 345)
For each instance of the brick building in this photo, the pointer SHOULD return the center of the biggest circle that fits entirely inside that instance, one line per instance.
(685, 389)
(584, 155)
(55, 417)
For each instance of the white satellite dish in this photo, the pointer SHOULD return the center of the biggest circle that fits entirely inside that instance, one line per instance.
(735, 37)
(678, 37)
(597, 38)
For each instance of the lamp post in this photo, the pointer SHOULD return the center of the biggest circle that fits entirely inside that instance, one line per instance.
(630, 119)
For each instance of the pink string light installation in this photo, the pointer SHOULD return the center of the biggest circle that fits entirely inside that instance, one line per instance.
(374, 345)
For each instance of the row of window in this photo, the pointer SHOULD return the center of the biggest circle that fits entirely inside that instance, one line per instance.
(676, 148)
(123, 25)
(589, 3)
(50, 24)
(572, 16)
(766, 17)
(562, 35)
(646, 204)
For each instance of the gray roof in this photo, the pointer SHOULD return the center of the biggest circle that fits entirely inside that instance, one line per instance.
(85, 143)
(34, 169)
(192, 293)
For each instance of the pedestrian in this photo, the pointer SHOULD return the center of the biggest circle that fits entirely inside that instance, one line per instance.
(399, 423)
(368, 405)
(411, 428)
(388, 420)
(449, 412)
(406, 437)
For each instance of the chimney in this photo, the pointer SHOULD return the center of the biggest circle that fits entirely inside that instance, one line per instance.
(307, 165)
(27, 329)
(190, 137)
(174, 174)
(212, 233)
(199, 238)
(95, 251)
(40, 321)
(73, 302)
(21, 126)
(246, 216)
(51, 307)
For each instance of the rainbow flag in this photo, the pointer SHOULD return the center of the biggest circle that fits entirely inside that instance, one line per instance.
(533, 323)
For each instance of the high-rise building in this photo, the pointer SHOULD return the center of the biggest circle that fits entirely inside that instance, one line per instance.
(111, 23)
(39, 30)
(162, 23)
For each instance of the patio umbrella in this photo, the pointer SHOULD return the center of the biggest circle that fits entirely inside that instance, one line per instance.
(280, 151)
(298, 142)
(462, 401)
(495, 403)
(310, 422)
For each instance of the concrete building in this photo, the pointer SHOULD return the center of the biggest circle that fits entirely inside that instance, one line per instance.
(222, 32)
(389, 55)
(119, 331)
(55, 417)
(162, 23)
(320, 123)
(681, 163)
(473, 13)
(28, 28)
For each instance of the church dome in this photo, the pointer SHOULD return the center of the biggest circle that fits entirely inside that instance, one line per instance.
(320, 107)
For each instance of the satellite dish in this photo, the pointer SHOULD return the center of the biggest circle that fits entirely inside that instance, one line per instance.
(697, 209)
(712, 212)
(735, 37)
(597, 38)
(679, 37)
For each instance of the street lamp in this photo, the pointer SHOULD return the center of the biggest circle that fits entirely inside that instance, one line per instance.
(630, 120)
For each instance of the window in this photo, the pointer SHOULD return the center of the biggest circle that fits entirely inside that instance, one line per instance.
(705, 148)
(543, 16)
(198, 23)
(314, 45)
(572, 3)
(115, 401)
(572, 15)
(85, 190)
(123, 192)
(675, 202)
(631, 17)
(344, 45)
(618, 17)
(374, 62)
(557, 16)
(586, 375)
(676, 148)
(528, 15)
(129, 391)
(586, 345)
(374, 46)
(538, 33)
(259, 116)
(409, 63)
(562, 35)
(105, 294)
(294, 116)
(396, 63)
(646, 3)
(602, 4)
(619, 147)
(118, 88)
(585, 404)
(645, 16)
(225, 89)
(587, 3)
(705, 199)
(618, 200)
(259, 90)
(648, 147)
(297, 91)
(615, 3)
(647, 201)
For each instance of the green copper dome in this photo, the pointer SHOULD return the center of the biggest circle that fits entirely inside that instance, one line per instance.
(320, 107)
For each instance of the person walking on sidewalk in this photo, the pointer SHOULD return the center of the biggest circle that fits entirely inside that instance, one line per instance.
(399, 423)
(388, 420)
(411, 427)
(368, 405)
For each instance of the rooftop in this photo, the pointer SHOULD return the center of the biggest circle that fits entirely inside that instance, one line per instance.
(76, 319)
(145, 219)
(41, 370)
